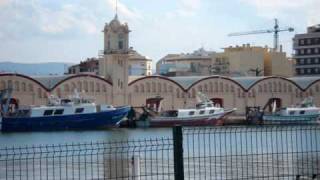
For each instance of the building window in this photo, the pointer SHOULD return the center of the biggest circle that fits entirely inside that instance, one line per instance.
(227, 87)
(39, 93)
(316, 60)
(16, 86)
(308, 51)
(142, 87)
(211, 87)
(308, 41)
(136, 88)
(92, 86)
(97, 87)
(308, 61)
(193, 93)
(66, 88)
(148, 87)
(301, 61)
(309, 71)
(221, 87)
(153, 87)
(10, 84)
(290, 88)
(120, 44)
(30, 87)
(316, 50)
(86, 88)
(165, 87)
(301, 71)
(302, 41)
(3, 85)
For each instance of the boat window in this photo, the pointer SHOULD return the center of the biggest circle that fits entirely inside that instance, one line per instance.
(79, 110)
(191, 113)
(201, 112)
(291, 112)
(198, 106)
(211, 111)
(58, 111)
(302, 112)
(48, 112)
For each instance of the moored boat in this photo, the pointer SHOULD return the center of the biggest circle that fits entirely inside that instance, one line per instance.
(305, 112)
(204, 114)
(63, 114)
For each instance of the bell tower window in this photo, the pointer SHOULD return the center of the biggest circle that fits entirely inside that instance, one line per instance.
(120, 44)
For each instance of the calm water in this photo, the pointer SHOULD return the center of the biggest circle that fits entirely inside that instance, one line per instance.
(62, 137)
(277, 152)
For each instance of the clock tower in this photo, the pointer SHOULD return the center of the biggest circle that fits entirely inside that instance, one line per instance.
(114, 63)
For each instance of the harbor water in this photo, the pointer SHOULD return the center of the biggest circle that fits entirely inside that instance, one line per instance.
(254, 152)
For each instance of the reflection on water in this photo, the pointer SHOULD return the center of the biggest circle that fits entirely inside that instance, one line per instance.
(62, 137)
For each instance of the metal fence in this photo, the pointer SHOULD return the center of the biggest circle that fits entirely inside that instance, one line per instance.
(252, 152)
(141, 159)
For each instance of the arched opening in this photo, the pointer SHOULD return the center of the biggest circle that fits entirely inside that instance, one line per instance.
(9, 107)
(277, 102)
(218, 102)
(154, 103)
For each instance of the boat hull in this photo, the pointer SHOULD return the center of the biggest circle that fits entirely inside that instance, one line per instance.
(279, 119)
(194, 122)
(213, 120)
(99, 120)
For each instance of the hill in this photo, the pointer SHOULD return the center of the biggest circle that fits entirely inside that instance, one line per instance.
(50, 68)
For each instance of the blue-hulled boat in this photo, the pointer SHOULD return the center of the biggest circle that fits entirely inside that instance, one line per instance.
(74, 113)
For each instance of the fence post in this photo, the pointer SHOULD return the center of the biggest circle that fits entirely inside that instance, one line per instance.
(178, 153)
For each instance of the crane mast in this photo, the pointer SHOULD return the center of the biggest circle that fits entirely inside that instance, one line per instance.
(275, 32)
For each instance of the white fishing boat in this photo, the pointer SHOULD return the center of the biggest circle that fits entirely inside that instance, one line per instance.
(203, 114)
(305, 112)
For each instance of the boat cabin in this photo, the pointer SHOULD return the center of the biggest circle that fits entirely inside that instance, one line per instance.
(299, 111)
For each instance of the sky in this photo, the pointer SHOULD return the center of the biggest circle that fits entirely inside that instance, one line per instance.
(35, 31)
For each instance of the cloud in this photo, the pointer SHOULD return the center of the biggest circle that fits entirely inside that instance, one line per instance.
(4, 3)
(185, 8)
(123, 10)
(26, 18)
(68, 17)
(285, 8)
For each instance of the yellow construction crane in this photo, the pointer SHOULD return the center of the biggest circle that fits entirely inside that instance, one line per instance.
(275, 30)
